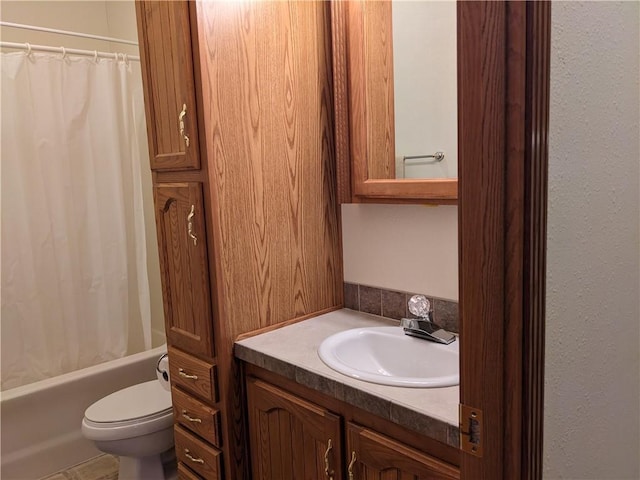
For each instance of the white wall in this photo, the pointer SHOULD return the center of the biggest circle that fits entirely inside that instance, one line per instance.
(425, 80)
(413, 248)
(105, 18)
(87, 17)
(592, 401)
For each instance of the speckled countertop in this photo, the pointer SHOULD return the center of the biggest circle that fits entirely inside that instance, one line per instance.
(291, 351)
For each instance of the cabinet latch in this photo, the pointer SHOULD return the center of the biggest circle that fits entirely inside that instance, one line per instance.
(470, 420)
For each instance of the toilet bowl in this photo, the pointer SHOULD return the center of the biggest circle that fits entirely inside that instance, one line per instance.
(135, 423)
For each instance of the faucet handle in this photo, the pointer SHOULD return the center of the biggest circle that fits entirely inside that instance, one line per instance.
(419, 306)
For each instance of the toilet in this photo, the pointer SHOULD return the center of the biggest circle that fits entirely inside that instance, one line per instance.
(135, 423)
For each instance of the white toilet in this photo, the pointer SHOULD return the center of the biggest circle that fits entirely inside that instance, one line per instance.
(135, 423)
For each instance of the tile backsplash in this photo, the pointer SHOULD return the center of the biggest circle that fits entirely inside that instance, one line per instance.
(393, 304)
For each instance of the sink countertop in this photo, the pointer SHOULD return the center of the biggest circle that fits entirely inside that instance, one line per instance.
(432, 412)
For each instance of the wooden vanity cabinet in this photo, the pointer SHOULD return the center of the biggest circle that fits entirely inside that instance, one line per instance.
(372, 455)
(289, 440)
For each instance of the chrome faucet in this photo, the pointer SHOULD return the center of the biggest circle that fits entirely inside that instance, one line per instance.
(423, 327)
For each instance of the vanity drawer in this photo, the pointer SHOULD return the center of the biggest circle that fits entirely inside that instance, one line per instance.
(204, 459)
(196, 416)
(193, 374)
(185, 474)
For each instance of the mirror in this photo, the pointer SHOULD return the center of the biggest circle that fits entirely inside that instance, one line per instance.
(424, 89)
(395, 84)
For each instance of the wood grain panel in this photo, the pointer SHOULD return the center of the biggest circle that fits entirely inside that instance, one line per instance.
(349, 413)
(267, 110)
(378, 94)
(363, 75)
(504, 52)
(481, 145)
(193, 375)
(184, 473)
(341, 101)
(514, 225)
(272, 155)
(380, 458)
(198, 455)
(538, 28)
(184, 266)
(196, 416)
(167, 73)
(289, 436)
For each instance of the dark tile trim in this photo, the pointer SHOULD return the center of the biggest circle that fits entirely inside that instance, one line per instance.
(393, 304)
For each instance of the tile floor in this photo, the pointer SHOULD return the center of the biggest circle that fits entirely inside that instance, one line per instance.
(104, 467)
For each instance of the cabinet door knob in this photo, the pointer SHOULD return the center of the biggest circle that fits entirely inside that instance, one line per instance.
(327, 471)
(187, 454)
(351, 464)
(183, 113)
(184, 374)
(190, 224)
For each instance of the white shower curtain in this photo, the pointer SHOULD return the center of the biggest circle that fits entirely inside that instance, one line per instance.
(74, 279)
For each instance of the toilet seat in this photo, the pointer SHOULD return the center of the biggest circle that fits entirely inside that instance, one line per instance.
(131, 412)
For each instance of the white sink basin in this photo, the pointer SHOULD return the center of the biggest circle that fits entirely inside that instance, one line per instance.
(387, 356)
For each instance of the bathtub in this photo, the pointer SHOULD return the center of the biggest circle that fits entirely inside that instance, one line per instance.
(40, 431)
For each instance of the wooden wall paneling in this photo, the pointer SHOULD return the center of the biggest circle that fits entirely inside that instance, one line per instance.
(271, 150)
(341, 100)
(265, 69)
(514, 234)
(502, 225)
(481, 144)
(536, 173)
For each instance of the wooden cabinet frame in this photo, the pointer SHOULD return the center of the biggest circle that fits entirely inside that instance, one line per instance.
(361, 99)
(504, 54)
(360, 431)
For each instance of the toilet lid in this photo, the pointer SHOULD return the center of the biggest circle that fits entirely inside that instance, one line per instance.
(142, 400)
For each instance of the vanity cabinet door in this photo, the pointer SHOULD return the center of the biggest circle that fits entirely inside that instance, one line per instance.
(183, 266)
(373, 456)
(167, 73)
(290, 437)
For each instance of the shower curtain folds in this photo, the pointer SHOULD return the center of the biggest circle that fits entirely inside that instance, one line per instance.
(75, 290)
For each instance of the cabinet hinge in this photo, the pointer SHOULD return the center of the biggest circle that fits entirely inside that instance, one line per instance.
(470, 420)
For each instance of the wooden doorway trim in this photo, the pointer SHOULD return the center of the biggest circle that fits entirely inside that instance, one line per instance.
(503, 108)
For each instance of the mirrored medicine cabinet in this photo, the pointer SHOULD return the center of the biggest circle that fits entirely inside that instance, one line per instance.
(395, 81)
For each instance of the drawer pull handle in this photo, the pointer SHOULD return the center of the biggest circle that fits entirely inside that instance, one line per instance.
(351, 464)
(191, 419)
(187, 454)
(184, 374)
(327, 471)
(190, 225)
(183, 113)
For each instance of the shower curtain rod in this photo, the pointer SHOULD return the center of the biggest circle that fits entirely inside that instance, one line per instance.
(68, 51)
(67, 32)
